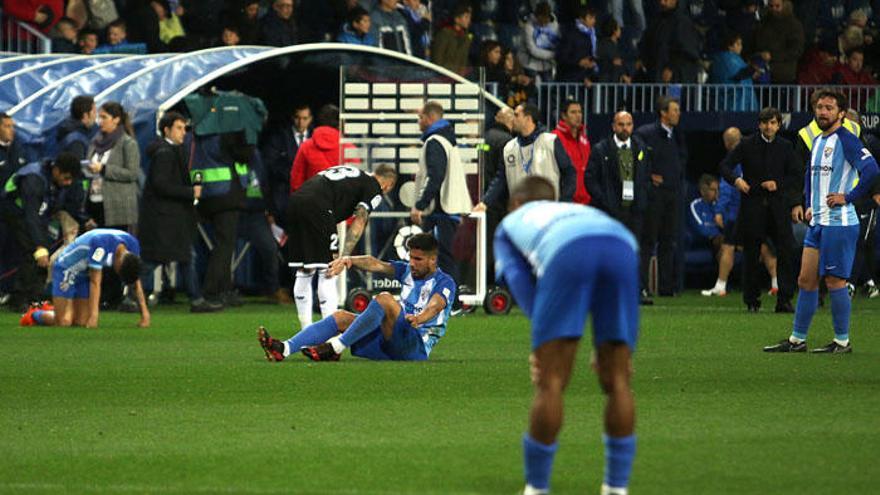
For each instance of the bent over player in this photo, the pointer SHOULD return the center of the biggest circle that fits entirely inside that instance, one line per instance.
(76, 279)
(540, 255)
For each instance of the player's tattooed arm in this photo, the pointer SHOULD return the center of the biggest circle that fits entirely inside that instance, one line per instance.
(355, 230)
(366, 262)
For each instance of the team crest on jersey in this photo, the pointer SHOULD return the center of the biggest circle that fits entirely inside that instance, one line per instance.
(828, 151)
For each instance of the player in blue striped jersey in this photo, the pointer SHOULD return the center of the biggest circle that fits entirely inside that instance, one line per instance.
(77, 274)
(562, 261)
(387, 329)
(841, 170)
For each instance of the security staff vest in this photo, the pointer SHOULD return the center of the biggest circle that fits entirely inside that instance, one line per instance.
(809, 132)
(538, 158)
(454, 195)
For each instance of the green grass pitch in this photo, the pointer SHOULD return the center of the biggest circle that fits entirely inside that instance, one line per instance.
(191, 406)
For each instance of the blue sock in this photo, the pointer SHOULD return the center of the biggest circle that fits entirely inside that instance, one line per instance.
(365, 323)
(840, 310)
(538, 461)
(314, 334)
(808, 301)
(38, 316)
(619, 454)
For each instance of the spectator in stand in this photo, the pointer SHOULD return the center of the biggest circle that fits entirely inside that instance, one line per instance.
(671, 41)
(144, 27)
(491, 59)
(853, 73)
(64, 36)
(230, 36)
(117, 41)
(519, 88)
(43, 14)
(637, 14)
(248, 22)
(573, 134)
(728, 67)
(820, 65)
(540, 39)
(356, 30)
(576, 53)
(779, 40)
(418, 18)
(321, 151)
(278, 26)
(87, 40)
(743, 20)
(851, 37)
(170, 26)
(389, 27)
(452, 43)
(612, 67)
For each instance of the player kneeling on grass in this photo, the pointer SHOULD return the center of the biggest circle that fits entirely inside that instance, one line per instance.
(76, 279)
(561, 260)
(387, 330)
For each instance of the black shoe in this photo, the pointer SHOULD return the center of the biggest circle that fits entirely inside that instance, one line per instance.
(834, 348)
(753, 308)
(205, 306)
(232, 299)
(129, 306)
(645, 301)
(785, 307)
(786, 345)
(273, 348)
(320, 352)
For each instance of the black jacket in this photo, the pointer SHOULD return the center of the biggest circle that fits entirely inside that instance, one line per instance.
(668, 156)
(275, 31)
(12, 158)
(168, 218)
(762, 161)
(496, 137)
(603, 181)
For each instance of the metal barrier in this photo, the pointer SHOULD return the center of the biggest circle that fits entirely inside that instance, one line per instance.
(609, 98)
(19, 37)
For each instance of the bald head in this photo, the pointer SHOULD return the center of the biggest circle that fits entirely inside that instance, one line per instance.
(622, 125)
(731, 138)
(505, 117)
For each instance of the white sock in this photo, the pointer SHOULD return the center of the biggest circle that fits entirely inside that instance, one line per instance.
(286, 351)
(795, 340)
(721, 285)
(613, 490)
(338, 346)
(774, 283)
(530, 490)
(870, 283)
(843, 343)
(302, 293)
(328, 297)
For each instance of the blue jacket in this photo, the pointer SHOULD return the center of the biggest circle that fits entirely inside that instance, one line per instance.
(668, 156)
(728, 198)
(436, 162)
(701, 219)
(346, 35)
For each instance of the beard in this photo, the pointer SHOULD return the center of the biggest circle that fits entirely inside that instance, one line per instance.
(825, 123)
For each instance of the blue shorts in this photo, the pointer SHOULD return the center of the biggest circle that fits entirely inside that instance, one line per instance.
(837, 248)
(406, 344)
(68, 284)
(595, 275)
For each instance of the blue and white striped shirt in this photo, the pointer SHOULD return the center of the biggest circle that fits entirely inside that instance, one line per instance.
(840, 163)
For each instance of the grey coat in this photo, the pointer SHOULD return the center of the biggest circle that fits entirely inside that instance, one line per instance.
(121, 174)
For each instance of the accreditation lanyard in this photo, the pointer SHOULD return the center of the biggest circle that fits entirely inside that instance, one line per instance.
(526, 165)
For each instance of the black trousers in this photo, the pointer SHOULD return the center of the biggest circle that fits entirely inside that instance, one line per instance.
(218, 274)
(29, 281)
(254, 227)
(662, 222)
(763, 217)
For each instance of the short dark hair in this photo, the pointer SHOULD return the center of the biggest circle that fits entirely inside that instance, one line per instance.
(543, 8)
(842, 103)
(83, 33)
(81, 105)
(533, 188)
(433, 108)
(66, 20)
(582, 11)
(4, 116)
(118, 23)
(67, 163)
(423, 242)
(769, 113)
(706, 180)
(300, 106)
(730, 38)
(663, 102)
(567, 103)
(532, 111)
(169, 119)
(130, 268)
(328, 115)
(855, 49)
(355, 14)
(385, 170)
(461, 9)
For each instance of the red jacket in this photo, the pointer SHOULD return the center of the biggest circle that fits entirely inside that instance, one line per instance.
(578, 150)
(319, 152)
(24, 10)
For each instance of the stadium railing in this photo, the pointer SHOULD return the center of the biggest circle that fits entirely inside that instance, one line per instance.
(19, 37)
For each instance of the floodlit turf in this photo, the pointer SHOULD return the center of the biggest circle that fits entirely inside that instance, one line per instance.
(191, 406)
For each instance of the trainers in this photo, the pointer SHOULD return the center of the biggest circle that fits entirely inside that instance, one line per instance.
(786, 345)
(714, 291)
(320, 352)
(834, 348)
(27, 319)
(273, 348)
(873, 291)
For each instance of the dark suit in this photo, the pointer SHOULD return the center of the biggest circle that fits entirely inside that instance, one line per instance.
(662, 220)
(605, 185)
(278, 151)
